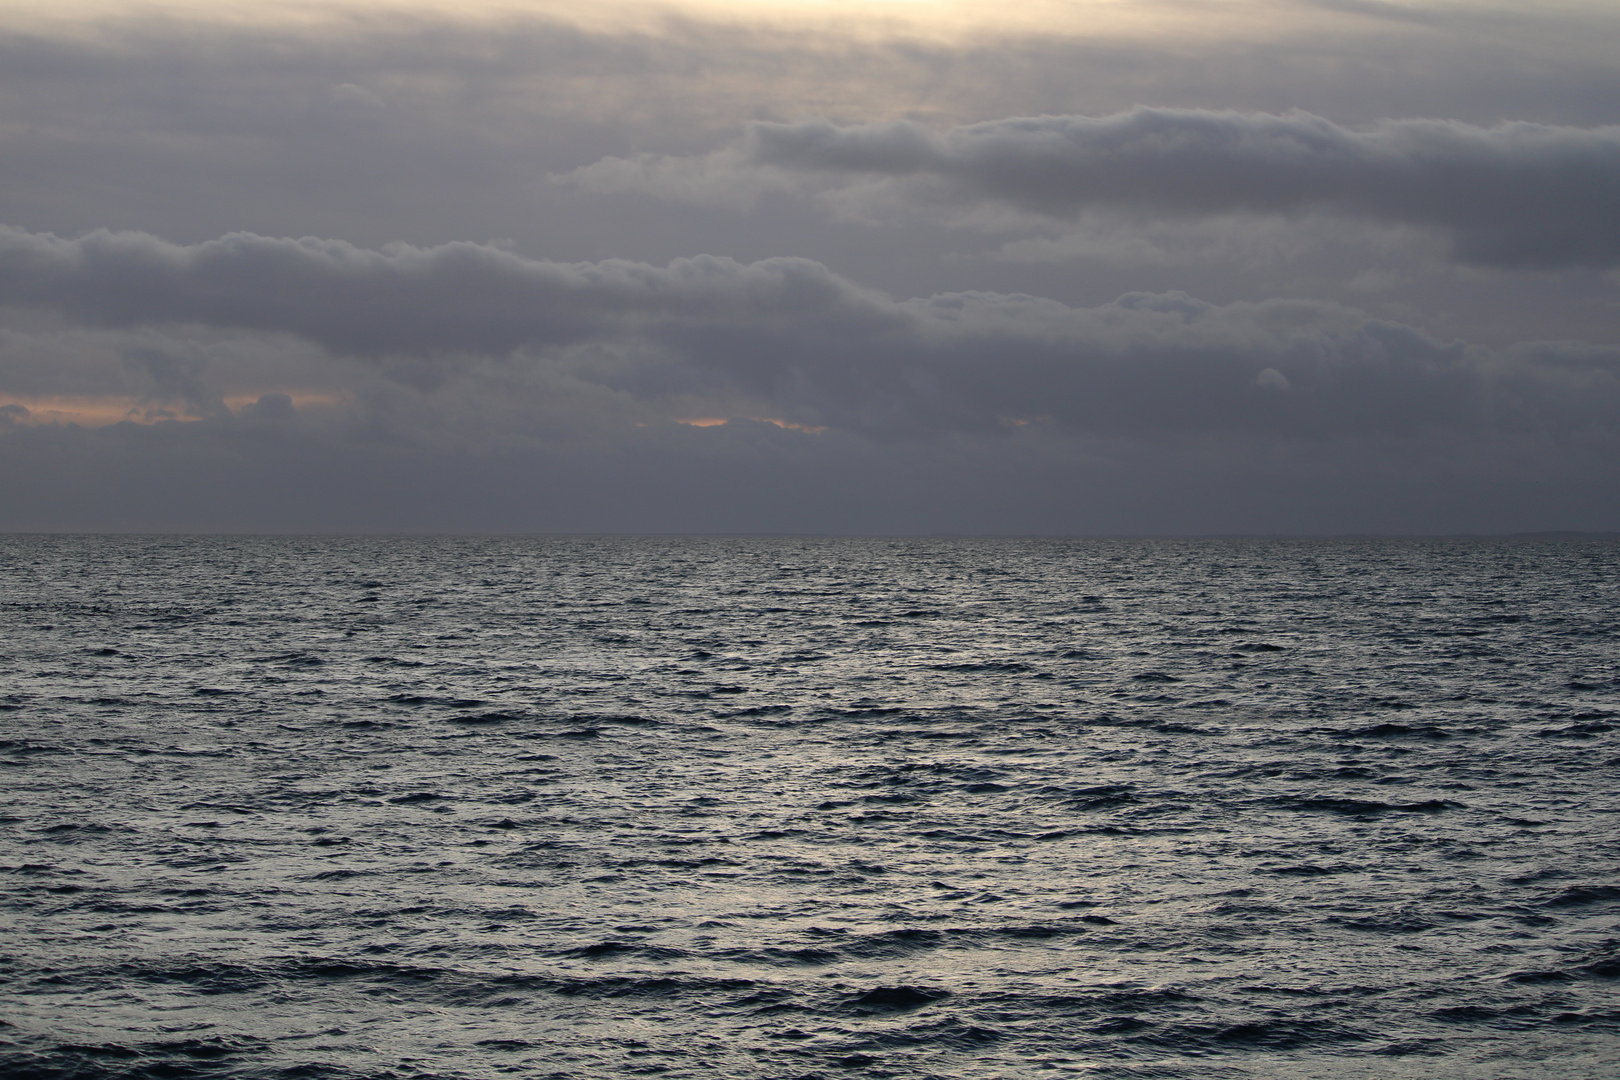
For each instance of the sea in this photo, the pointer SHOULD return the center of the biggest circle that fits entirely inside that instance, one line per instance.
(300, 808)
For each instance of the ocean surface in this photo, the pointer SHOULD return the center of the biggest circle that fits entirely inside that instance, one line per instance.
(780, 808)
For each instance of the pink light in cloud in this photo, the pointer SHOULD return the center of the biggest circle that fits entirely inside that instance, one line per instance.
(716, 421)
(100, 410)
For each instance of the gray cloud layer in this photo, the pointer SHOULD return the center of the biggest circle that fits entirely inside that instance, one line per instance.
(435, 129)
(457, 297)
(792, 337)
(1514, 194)
(1347, 376)
(258, 474)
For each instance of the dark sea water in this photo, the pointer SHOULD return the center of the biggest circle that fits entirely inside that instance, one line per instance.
(777, 808)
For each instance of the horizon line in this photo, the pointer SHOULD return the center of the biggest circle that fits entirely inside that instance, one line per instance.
(1537, 534)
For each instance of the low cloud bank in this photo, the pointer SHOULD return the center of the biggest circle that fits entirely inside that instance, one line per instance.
(315, 385)
(257, 474)
(791, 340)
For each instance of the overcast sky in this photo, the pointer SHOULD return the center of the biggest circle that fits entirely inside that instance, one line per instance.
(1340, 266)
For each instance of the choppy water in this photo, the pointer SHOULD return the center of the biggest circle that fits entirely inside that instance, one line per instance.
(808, 808)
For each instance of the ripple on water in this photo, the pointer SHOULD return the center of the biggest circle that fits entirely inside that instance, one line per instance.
(365, 808)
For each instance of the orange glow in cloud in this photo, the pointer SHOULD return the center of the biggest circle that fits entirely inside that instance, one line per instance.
(88, 410)
(85, 411)
(716, 421)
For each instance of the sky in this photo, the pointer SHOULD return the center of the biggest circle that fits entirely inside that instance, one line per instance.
(1179, 267)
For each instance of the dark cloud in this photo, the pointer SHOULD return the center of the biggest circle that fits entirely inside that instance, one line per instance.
(248, 473)
(1515, 194)
(359, 127)
(378, 128)
(791, 340)
(458, 297)
(1051, 371)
